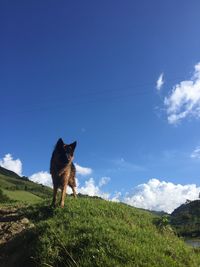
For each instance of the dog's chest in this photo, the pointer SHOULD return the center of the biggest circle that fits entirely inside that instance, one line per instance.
(63, 176)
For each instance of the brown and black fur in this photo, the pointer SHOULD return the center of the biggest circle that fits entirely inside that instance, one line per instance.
(63, 170)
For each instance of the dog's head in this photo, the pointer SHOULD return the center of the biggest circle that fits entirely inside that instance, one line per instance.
(67, 151)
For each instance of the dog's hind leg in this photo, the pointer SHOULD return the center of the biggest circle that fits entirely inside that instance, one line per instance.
(55, 190)
(63, 194)
(74, 192)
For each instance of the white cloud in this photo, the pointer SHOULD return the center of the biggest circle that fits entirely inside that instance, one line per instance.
(196, 153)
(11, 164)
(153, 195)
(82, 170)
(184, 99)
(42, 177)
(161, 195)
(91, 189)
(160, 82)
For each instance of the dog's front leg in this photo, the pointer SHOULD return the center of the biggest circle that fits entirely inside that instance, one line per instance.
(63, 194)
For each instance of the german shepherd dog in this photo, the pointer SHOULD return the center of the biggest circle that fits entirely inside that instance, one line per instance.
(63, 170)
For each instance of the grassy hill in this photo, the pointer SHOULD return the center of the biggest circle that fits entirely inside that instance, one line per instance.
(92, 232)
(20, 189)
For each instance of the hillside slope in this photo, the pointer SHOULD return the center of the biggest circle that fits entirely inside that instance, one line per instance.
(87, 232)
(20, 189)
(94, 232)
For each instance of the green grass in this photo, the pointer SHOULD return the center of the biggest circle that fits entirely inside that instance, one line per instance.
(93, 232)
(22, 196)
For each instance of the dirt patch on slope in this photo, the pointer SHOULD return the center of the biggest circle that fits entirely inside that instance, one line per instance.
(13, 225)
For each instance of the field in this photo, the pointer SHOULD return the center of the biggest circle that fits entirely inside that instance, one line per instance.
(22, 196)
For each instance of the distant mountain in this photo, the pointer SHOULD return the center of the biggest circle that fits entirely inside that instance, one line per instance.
(186, 219)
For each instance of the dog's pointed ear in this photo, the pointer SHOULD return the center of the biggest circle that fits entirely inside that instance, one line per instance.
(73, 145)
(60, 141)
(59, 144)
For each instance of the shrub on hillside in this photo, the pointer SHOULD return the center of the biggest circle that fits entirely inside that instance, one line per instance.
(3, 197)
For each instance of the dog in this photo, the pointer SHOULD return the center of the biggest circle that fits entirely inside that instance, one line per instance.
(63, 170)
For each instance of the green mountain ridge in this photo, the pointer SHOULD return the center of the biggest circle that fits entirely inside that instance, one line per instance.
(21, 189)
(186, 219)
(86, 232)
(7, 172)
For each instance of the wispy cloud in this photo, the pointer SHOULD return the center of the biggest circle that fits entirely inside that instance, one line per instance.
(83, 170)
(184, 99)
(11, 164)
(196, 153)
(160, 82)
(104, 181)
(123, 164)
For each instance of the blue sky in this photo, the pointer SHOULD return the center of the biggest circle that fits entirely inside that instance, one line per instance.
(87, 71)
